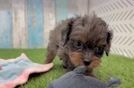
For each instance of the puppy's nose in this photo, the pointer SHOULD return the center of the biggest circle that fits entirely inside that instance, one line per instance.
(87, 62)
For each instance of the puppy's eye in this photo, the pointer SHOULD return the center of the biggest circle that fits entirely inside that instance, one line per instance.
(78, 45)
(99, 51)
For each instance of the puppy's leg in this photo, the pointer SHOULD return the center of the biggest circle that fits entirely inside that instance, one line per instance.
(51, 52)
(70, 66)
(67, 64)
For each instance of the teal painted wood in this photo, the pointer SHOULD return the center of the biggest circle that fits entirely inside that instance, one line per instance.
(35, 23)
(61, 9)
(5, 29)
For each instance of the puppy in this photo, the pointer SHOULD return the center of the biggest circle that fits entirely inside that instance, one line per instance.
(80, 40)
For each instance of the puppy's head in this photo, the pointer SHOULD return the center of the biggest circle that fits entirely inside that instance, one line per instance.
(87, 38)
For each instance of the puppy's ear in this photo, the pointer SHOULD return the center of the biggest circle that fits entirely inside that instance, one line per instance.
(67, 31)
(108, 40)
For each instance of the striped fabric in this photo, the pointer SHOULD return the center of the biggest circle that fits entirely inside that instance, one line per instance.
(119, 14)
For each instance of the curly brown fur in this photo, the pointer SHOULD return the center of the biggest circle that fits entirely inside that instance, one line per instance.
(80, 41)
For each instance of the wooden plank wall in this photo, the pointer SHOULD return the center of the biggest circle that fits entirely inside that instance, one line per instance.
(27, 23)
(35, 23)
(5, 29)
(19, 24)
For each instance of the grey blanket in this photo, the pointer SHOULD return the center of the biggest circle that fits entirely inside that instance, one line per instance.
(77, 79)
